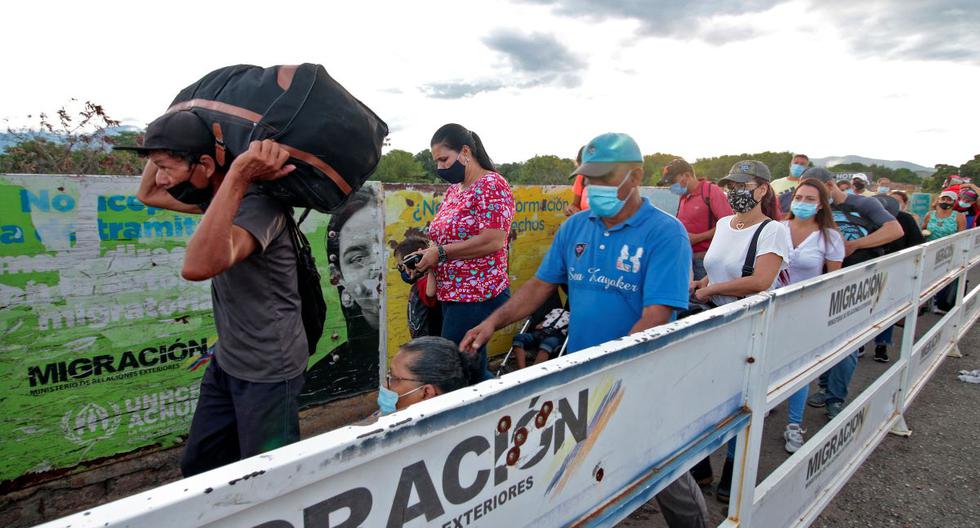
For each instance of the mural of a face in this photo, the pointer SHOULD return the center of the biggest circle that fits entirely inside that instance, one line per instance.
(360, 260)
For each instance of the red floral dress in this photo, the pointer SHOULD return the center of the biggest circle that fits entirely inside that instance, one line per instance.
(487, 204)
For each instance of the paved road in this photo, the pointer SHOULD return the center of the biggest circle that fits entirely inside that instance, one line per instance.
(931, 479)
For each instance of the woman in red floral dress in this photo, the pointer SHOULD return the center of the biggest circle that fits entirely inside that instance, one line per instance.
(469, 233)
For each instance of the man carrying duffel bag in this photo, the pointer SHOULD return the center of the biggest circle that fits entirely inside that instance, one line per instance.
(249, 400)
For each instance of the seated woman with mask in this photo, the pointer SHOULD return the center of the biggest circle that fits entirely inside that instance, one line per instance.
(423, 368)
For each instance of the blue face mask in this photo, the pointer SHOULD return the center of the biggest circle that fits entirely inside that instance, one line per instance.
(796, 170)
(604, 200)
(407, 277)
(678, 189)
(849, 191)
(883, 190)
(388, 399)
(803, 210)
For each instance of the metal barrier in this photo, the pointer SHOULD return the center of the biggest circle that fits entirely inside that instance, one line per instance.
(585, 439)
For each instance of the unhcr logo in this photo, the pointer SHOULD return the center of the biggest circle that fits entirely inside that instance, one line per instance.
(834, 446)
(90, 423)
(855, 296)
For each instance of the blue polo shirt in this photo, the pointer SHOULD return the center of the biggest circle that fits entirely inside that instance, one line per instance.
(612, 274)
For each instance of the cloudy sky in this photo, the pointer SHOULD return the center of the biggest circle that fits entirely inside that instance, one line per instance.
(890, 79)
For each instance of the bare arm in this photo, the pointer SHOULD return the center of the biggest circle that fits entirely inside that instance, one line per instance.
(153, 195)
(217, 243)
(960, 222)
(766, 269)
(430, 284)
(532, 294)
(483, 244)
(832, 265)
(889, 231)
(653, 315)
(701, 237)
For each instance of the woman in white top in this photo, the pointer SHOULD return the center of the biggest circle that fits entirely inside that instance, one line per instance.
(818, 248)
(754, 203)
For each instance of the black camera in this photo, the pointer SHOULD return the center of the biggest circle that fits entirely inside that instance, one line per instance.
(412, 260)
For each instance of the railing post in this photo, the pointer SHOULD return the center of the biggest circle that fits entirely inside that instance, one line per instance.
(908, 345)
(749, 444)
(964, 270)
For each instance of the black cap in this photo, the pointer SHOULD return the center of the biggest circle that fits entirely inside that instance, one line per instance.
(181, 131)
(818, 173)
(745, 170)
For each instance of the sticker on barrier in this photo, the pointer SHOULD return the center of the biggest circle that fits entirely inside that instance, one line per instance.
(928, 352)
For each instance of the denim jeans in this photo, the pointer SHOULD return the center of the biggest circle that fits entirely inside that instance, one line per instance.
(836, 380)
(458, 318)
(697, 266)
(236, 419)
(885, 338)
(797, 404)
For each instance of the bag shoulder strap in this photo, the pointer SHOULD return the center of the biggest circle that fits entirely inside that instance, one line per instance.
(706, 196)
(748, 268)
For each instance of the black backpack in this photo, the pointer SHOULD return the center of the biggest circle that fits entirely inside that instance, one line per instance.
(333, 139)
(313, 307)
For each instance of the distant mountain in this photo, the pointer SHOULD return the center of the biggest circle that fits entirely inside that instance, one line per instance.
(831, 161)
(8, 139)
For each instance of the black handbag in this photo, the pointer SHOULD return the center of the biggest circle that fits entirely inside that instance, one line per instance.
(312, 305)
(748, 268)
(333, 139)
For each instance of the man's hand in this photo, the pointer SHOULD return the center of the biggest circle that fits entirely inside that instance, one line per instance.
(477, 337)
(702, 294)
(850, 246)
(264, 160)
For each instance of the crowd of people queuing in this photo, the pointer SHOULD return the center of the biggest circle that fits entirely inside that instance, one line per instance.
(743, 235)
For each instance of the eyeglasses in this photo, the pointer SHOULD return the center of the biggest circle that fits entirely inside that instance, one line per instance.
(389, 377)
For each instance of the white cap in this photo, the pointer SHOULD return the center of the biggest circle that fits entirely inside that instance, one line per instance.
(860, 176)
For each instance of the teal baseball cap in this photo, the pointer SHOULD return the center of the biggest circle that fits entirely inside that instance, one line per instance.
(602, 154)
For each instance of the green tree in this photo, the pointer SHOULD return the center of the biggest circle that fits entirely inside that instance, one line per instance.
(545, 170)
(935, 182)
(653, 167)
(77, 140)
(399, 166)
(510, 171)
(971, 169)
(428, 164)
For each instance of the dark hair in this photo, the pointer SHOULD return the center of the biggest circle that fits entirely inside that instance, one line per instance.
(411, 245)
(675, 168)
(903, 194)
(436, 361)
(455, 136)
(845, 182)
(804, 156)
(578, 158)
(824, 217)
(770, 205)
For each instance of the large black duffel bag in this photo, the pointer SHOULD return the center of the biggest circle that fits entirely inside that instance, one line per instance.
(333, 139)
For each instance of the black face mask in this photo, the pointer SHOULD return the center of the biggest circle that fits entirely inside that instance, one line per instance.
(945, 205)
(859, 186)
(454, 174)
(187, 193)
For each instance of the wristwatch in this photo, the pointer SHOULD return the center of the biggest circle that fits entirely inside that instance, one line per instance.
(442, 253)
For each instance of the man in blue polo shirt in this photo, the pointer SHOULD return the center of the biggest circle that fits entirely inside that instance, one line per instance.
(627, 265)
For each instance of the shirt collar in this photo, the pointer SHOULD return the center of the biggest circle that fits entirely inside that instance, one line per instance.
(638, 217)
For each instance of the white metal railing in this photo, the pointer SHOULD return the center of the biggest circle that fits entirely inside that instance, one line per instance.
(585, 439)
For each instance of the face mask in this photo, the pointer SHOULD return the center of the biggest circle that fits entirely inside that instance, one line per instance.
(964, 205)
(388, 399)
(604, 200)
(849, 191)
(678, 189)
(186, 192)
(883, 190)
(803, 210)
(742, 200)
(796, 170)
(945, 205)
(858, 185)
(455, 173)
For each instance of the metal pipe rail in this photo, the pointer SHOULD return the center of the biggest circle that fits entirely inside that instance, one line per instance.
(585, 439)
